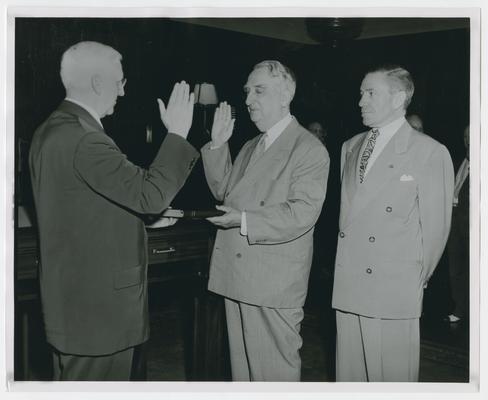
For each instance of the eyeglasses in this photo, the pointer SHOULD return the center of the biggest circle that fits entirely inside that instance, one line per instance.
(121, 83)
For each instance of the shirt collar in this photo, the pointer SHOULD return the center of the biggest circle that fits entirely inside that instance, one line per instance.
(390, 129)
(277, 129)
(90, 110)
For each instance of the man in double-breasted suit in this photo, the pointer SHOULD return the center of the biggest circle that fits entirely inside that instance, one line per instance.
(273, 195)
(397, 188)
(88, 199)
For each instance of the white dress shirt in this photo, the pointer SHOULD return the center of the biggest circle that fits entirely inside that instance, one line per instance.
(90, 110)
(271, 135)
(385, 135)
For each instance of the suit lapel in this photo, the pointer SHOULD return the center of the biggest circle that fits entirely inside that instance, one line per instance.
(281, 148)
(383, 170)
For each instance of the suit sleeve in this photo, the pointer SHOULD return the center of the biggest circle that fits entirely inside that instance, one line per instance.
(291, 219)
(100, 163)
(435, 205)
(217, 165)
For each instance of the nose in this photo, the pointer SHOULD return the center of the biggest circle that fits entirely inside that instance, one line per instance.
(249, 98)
(362, 100)
(121, 87)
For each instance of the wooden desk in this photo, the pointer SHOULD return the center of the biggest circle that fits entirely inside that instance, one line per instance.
(180, 252)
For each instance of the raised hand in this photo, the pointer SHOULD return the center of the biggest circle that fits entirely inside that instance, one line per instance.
(177, 117)
(223, 124)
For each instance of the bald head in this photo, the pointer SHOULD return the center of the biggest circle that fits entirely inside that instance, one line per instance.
(91, 73)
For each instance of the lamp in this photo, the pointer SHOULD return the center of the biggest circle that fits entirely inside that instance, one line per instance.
(205, 96)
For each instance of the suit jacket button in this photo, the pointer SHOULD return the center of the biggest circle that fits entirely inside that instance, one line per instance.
(342, 234)
(372, 239)
(369, 270)
(388, 209)
(238, 255)
(261, 203)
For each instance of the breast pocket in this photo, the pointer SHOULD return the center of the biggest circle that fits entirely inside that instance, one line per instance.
(402, 198)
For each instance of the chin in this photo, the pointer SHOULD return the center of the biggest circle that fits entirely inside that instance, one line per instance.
(260, 127)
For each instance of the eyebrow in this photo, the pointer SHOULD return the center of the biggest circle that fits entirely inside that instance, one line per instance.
(259, 85)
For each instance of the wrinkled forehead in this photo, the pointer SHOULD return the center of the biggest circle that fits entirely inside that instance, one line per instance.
(375, 80)
(261, 77)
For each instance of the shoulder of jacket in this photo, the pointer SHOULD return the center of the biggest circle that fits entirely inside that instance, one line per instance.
(352, 141)
(427, 144)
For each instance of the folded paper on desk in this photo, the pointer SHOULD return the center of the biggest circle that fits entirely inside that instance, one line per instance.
(191, 214)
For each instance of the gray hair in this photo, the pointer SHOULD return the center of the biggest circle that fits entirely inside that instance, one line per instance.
(82, 59)
(399, 79)
(278, 70)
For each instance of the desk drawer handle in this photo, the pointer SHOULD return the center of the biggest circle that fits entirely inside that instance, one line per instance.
(158, 251)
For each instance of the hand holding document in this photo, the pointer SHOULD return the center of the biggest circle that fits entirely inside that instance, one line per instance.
(191, 214)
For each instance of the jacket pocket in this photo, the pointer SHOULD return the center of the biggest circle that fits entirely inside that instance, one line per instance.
(129, 277)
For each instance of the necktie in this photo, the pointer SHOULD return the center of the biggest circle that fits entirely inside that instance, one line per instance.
(258, 151)
(461, 176)
(367, 153)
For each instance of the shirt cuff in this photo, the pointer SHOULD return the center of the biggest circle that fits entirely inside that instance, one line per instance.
(212, 147)
(243, 224)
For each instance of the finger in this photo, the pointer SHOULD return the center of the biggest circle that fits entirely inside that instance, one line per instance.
(185, 92)
(178, 92)
(162, 108)
(228, 114)
(174, 94)
(215, 220)
(218, 114)
(230, 126)
(223, 208)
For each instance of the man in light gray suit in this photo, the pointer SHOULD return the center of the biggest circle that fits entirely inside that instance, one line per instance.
(397, 188)
(273, 194)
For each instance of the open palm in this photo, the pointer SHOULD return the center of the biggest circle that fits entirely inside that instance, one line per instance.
(223, 124)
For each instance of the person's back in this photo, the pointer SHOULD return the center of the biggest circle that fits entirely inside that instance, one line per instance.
(88, 197)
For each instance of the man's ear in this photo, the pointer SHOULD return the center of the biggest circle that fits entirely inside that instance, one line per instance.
(399, 99)
(96, 83)
(286, 97)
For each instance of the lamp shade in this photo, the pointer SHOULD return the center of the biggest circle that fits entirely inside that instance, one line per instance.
(205, 94)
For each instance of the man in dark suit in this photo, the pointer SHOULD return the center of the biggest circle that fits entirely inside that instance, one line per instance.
(396, 199)
(272, 193)
(458, 243)
(88, 196)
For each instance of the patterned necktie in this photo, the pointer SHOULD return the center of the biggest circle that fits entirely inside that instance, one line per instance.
(367, 153)
(258, 151)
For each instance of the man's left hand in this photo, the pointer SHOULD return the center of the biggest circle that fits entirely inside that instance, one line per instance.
(231, 218)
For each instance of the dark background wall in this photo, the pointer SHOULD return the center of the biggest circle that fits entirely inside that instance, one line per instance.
(158, 52)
